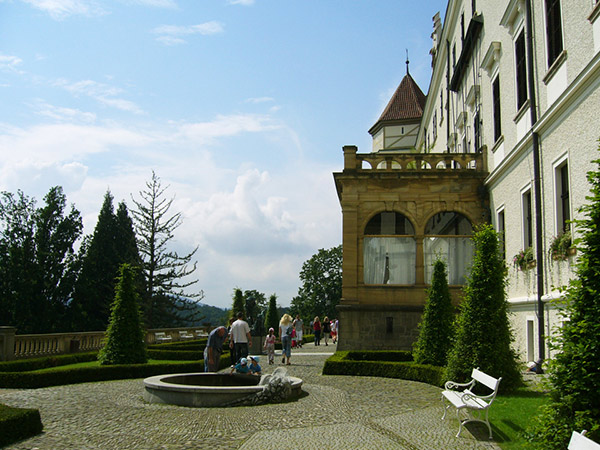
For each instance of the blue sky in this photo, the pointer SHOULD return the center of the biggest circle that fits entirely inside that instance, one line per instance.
(241, 107)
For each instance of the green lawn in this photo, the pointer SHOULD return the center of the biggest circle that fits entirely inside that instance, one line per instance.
(511, 415)
(97, 364)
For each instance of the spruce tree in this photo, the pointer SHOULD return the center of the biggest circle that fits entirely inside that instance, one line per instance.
(272, 317)
(575, 372)
(436, 327)
(125, 336)
(483, 334)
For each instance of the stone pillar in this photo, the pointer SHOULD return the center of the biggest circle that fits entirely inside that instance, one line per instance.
(7, 343)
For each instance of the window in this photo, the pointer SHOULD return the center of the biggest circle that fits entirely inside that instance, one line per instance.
(521, 67)
(477, 132)
(563, 210)
(501, 230)
(434, 126)
(553, 30)
(389, 250)
(448, 234)
(441, 107)
(496, 103)
(527, 220)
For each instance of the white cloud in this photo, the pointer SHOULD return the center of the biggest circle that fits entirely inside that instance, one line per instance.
(171, 34)
(154, 3)
(60, 9)
(103, 93)
(10, 63)
(257, 100)
(241, 2)
(63, 114)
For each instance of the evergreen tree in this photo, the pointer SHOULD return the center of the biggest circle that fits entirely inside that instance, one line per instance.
(125, 336)
(575, 372)
(167, 301)
(254, 304)
(483, 335)
(436, 328)
(38, 264)
(95, 288)
(272, 317)
(239, 305)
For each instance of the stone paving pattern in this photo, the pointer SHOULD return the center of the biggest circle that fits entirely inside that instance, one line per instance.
(341, 412)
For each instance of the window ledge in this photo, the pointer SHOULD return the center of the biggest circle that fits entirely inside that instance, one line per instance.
(555, 66)
(522, 110)
(497, 144)
(595, 13)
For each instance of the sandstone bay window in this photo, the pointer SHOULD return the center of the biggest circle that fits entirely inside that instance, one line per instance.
(389, 249)
(448, 235)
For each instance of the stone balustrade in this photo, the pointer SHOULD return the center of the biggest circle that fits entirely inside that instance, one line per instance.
(412, 162)
(22, 346)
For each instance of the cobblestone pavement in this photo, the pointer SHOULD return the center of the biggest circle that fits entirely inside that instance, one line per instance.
(341, 412)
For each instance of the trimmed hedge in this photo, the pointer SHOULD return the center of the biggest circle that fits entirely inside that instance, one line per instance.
(380, 355)
(26, 365)
(196, 344)
(17, 424)
(341, 364)
(175, 355)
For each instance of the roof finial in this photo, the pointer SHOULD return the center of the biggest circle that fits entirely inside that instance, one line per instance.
(407, 62)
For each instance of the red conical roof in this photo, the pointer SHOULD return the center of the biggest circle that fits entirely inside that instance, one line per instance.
(407, 103)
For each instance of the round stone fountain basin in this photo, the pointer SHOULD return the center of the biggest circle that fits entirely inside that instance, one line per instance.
(204, 389)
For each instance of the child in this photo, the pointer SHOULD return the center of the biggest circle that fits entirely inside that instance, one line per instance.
(241, 367)
(269, 346)
(254, 367)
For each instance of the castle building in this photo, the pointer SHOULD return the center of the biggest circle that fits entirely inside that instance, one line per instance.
(506, 134)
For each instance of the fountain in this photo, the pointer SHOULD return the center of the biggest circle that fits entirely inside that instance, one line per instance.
(219, 389)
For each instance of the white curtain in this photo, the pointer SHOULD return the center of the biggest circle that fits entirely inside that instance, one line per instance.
(458, 253)
(389, 260)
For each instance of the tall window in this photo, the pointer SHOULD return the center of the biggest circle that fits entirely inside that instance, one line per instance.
(389, 250)
(496, 103)
(527, 220)
(477, 132)
(501, 230)
(448, 234)
(553, 30)
(521, 67)
(563, 213)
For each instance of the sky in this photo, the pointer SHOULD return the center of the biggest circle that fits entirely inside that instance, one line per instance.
(240, 107)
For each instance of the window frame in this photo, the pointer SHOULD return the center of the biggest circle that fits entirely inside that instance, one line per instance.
(562, 202)
(496, 108)
(520, 48)
(527, 216)
(554, 30)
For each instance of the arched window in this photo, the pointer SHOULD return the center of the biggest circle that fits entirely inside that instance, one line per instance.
(448, 234)
(389, 250)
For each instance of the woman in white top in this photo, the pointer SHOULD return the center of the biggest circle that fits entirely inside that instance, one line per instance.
(285, 334)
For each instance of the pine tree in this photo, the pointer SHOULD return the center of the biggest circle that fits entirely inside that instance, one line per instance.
(167, 300)
(125, 335)
(575, 372)
(238, 303)
(436, 328)
(483, 334)
(272, 317)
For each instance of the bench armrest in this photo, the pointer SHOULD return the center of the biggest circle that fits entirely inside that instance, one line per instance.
(453, 385)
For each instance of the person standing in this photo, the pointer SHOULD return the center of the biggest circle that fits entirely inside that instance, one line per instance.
(285, 334)
(231, 348)
(326, 327)
(334, 327)
(242, 340)
(298, 324)
(317, 330)
(269, 346)
(214, 348)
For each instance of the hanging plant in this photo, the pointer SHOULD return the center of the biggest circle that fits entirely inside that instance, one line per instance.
(524, 259)
(561, 247)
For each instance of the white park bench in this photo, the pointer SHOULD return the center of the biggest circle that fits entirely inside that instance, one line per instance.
(580, 442)
(161, 337)
(463, 399)
(184, 334)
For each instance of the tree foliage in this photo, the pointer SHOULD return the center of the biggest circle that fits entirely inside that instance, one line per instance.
(436, 329)
(239, 305)
(483, 334)
(125, 335)
(321, 289)
(112, 244)
(38, 264)
(272, 316)
(575, 372)
(167, 300)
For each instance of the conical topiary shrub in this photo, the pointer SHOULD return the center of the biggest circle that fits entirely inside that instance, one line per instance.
(483, 334)
(436, 327)
(124, 336)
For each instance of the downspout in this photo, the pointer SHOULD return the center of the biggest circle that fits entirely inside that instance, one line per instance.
(536, 186)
